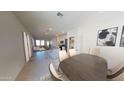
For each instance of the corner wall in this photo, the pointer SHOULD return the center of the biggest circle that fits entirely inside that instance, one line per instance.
(12, 57)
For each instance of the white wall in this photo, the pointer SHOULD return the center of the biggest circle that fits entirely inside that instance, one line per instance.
(12, 57)
(56, 40)
(98, 21)
(62, 38)
(76, 33)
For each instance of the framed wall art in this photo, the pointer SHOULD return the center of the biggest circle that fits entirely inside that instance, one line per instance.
(107, 37)
(122, 38)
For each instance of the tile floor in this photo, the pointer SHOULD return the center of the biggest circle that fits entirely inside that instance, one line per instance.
(38, 68)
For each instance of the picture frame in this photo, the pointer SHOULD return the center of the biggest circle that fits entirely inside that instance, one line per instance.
(122, 38)
(107, 37)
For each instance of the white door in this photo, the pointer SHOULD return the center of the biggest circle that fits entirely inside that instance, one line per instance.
(26, 47)
(29, 46)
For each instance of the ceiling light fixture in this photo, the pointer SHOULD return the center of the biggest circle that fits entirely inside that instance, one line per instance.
(59, 14)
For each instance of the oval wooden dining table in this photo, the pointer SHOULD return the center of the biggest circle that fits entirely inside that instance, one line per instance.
(85, 67)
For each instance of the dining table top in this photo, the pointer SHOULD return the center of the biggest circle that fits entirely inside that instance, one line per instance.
(85, 67)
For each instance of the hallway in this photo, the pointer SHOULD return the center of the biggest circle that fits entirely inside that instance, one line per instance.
(37, 69)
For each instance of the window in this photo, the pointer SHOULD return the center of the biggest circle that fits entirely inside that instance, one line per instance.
(42, 43)
(37, 42)
(48, 43)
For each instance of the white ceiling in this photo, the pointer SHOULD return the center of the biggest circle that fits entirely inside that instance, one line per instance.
(46, 24)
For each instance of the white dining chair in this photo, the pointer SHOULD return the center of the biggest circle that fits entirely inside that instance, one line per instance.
(72, 52)
(119, 77)
(57, 76)
(62, 55)
(116, 73)
(94, 51)
(115, 69)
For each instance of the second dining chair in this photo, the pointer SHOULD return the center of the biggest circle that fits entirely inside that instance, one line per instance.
(62, 55)
(72, 52)
(94, 51)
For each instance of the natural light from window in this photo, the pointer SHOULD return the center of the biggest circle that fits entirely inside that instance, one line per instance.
(37, 42)
(48, 43)
(42, 43)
